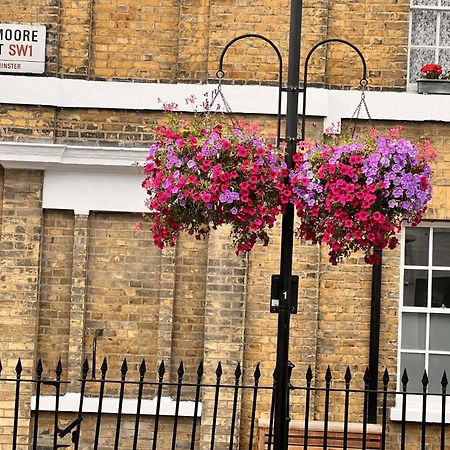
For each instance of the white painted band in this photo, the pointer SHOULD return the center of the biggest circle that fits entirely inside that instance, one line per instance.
(330, 104)
(70, 403)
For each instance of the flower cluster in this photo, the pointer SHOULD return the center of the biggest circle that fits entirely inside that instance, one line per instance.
(434, 72)
(205, 172)
(354, 194)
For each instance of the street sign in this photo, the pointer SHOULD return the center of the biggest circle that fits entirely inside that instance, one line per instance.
(22, 48)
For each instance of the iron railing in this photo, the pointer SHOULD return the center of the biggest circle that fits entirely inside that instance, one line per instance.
(236, 413)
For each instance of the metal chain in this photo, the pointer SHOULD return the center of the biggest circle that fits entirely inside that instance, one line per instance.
(361, 103)
(225, 103)
(218, 92)
(215, 95)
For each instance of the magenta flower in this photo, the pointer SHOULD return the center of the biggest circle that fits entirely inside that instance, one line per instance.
(205, 172)
(354, 194)
(205, 196)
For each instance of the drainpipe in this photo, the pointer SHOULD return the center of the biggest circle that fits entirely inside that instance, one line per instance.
(374, 346)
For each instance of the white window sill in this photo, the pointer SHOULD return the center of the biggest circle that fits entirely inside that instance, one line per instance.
(414, 409)
(70, 403)
(411, 88)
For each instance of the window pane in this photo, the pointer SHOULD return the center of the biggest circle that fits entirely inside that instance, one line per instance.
(415, 288)
(441, 247)
(413, 331)
(440, 289)
(444, 58)
(445, 28)
(437, 364)
(414, 365)
(425, 2)
(416, 246)
(417, 58)
(423, 30)
(440, 332)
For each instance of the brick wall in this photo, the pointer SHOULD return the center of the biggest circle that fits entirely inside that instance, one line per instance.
(75, 38)
(225, 309)
(105, 127)
(108, 430)
(19, 286)
(380, 32)
(122, 290)
(26, 123)
(125, 300)
(176, 40)
(189, 305)
(141, 45)
(55, 288)
(98, 273)
(95, 127)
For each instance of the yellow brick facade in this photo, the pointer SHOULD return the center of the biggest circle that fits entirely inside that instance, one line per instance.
(69, 277)
(170, 40)
(134, 296)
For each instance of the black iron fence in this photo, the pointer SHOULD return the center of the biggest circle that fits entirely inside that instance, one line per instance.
(208, 412)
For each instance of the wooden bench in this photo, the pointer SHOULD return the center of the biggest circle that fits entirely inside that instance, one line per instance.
(316, 435)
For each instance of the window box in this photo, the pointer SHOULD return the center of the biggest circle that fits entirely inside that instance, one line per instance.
(430, 86)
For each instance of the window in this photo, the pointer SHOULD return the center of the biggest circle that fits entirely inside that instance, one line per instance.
(425, 305)
(429, 37)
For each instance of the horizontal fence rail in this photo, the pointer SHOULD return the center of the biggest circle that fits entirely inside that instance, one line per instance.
(123, 412)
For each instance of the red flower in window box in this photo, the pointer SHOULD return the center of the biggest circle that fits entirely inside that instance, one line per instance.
(431, 71)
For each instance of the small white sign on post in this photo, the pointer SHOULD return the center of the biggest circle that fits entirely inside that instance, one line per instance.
(22, 48)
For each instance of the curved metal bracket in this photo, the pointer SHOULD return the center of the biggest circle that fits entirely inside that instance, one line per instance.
(220, 73)
(363, 81)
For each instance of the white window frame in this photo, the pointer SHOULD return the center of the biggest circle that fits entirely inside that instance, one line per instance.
(414, 402)
(411, 84)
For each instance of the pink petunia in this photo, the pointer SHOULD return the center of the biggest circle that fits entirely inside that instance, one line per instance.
(362, 216)
(242, 152)
(205, 196)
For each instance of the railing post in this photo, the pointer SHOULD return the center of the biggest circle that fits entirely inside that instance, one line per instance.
(16, 403)
(39, 370)
(161, 372)
(444, 384)
(256, 376)
(57, 384)
(196, 403)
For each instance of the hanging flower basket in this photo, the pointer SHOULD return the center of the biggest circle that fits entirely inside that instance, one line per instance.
(205, 172)
(354, 194)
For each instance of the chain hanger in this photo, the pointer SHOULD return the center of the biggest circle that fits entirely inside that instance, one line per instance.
(362, 103)
(218, 94)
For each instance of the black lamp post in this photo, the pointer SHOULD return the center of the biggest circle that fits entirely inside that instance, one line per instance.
(285, 285)
(281, 425)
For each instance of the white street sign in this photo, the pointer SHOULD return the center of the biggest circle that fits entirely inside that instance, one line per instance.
(22, 48)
